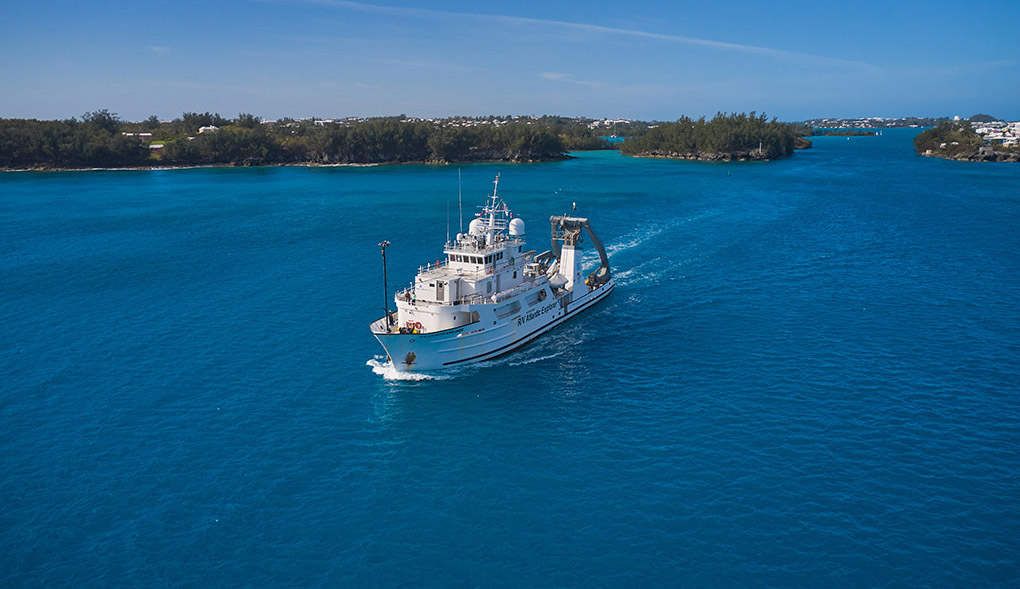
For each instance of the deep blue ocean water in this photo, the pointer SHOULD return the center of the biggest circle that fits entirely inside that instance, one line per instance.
(807, 376)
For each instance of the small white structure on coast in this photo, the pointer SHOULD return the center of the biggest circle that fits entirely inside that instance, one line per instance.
(209, 129)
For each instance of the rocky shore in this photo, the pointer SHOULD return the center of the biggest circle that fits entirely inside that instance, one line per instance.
(752, 155)
(731, 156)
(981, 155)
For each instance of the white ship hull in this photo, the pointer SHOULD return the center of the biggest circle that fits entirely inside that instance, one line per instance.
(485, 339)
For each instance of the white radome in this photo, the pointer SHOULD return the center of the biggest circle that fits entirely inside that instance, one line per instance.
(516, 228)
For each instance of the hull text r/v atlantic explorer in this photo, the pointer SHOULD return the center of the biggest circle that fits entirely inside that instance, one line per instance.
(490, 295)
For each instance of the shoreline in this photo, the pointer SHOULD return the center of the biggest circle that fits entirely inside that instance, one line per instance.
(707, 157)
(740, 155)
(277, 165)
(977, 156)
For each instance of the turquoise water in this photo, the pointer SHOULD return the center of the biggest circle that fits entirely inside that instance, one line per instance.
(806, 376)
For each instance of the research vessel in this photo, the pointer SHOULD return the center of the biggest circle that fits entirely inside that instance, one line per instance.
(490, 294)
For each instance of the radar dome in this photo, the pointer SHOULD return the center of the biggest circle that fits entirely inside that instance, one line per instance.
(517, 227)
(475, 228)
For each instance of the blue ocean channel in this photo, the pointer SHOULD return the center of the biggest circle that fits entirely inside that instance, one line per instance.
(808, 375)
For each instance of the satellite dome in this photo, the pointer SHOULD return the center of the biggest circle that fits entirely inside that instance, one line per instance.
(475, 228)
(517, 227)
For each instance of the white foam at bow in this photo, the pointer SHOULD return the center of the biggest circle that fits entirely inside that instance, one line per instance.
(386, 370)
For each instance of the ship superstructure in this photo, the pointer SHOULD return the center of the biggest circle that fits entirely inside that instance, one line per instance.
(490, 294)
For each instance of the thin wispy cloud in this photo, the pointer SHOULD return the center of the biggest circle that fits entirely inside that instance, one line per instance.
(589, 28)
(160, 49)
(976, 67)
(569, 79)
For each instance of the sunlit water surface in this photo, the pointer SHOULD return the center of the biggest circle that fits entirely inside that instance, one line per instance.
(807, 375)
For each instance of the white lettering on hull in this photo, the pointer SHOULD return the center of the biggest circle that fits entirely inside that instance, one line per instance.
(521, 320)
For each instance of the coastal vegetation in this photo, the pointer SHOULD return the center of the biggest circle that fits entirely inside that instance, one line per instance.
(101, 139)
(958, 140)
(94, 141)
(579, 134)
(948, 139)
(723, 138)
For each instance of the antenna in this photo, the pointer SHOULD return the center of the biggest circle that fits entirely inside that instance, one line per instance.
(447, 221)
(460, 202)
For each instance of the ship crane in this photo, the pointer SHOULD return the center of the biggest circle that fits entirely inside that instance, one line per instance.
(568, 231)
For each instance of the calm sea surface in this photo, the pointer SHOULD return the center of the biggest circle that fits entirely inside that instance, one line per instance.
(807, 376)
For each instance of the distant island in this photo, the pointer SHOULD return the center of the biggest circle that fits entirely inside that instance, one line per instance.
(841, 133)
(101, 140)
(971, 141)
(875, 122)
(733, 137)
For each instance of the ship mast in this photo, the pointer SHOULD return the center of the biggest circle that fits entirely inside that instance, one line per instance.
(490, 234)
(386, 290)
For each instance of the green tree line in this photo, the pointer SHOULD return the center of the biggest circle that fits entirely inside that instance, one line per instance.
(383, 140)
(98, 140)
(724, 134)
(95, 141)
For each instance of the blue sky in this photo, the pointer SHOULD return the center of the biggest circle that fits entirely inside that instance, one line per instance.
(635, 59)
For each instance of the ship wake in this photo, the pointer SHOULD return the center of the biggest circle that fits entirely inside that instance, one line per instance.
(652, 271)
(524, 361)
(385, 369)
